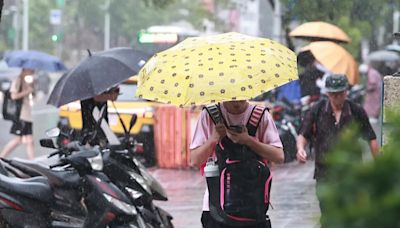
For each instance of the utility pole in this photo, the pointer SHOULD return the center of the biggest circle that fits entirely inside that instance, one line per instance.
(16, 23)
(25, 31)
(396, 16)
(107, 25)
(277, 23)
(25, 25)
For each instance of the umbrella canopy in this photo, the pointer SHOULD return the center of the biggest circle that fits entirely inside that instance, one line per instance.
(335, 58)
(96, 74)
(7, 73)
(383, 56)
(320, 31)
(34, 60)
(393, 47)
(203, 70)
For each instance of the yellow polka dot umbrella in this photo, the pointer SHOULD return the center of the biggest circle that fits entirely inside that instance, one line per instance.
(225, 67)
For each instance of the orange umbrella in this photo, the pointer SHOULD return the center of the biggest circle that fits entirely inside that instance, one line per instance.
(335, 58)
(318, 31)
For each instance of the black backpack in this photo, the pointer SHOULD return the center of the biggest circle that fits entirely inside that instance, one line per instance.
(240, 196)
(11, 108)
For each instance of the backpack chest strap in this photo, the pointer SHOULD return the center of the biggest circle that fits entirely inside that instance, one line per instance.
(252, 124)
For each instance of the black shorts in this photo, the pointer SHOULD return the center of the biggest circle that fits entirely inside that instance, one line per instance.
(21, 128)
(208, 222)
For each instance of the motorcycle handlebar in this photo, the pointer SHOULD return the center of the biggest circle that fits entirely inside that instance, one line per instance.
(52, 154)
(58, 165)
(70, 147)
(74, 145)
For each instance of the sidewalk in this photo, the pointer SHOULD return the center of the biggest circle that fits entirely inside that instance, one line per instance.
(292, 196)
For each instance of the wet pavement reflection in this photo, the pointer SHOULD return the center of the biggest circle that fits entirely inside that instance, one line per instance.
(293, 199)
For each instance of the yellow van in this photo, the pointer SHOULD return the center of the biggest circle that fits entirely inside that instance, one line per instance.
(126, 105)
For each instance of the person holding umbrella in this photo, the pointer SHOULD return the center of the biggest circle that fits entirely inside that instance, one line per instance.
(22, 88)
(89, 123)
(225, 71)
(94, 81)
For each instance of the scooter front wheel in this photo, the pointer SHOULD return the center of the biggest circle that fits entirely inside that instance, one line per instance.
(3, 223)
(138, 223)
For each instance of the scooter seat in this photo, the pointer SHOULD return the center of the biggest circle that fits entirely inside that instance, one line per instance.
(56, 178)
(36, 188)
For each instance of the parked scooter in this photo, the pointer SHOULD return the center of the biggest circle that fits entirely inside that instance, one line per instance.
(307, 102)
(123, 167)
(124, 170)
(287, 121)
(32, 203)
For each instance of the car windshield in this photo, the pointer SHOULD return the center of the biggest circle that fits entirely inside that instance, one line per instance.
(127, 93)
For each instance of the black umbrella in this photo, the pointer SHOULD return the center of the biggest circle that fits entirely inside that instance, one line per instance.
(96, 74)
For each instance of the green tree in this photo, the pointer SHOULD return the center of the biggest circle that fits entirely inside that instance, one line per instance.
(83, 21)
(5, 29)
(40, 29)
(363, 194)
(359, 18)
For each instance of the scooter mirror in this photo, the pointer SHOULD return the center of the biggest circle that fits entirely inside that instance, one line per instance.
(54, 132)
(133, 121)
(48, 143)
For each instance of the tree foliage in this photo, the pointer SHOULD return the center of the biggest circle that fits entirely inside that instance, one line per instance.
(363, 194)
(360, 19)
(83, 21)
(40, 29)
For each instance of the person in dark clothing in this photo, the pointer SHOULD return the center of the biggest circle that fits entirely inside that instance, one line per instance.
(325, 122)
(309, 76)
(328, 118)
(89, 124)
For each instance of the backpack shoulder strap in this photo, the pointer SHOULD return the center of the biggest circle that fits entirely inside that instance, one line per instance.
(318, 107)
(355, 111)
(254, 120)
(215, 113)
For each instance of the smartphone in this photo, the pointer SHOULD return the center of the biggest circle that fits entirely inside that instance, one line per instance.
(236, 128)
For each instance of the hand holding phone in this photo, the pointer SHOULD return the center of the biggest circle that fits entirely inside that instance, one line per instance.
(236, 128)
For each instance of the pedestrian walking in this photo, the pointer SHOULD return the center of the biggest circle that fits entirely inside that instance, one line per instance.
(91, 126)
(373, 98)
(22, 126)
(266, 143)
(327, 119)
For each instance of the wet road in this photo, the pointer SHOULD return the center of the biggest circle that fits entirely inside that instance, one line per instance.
(292, 196)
